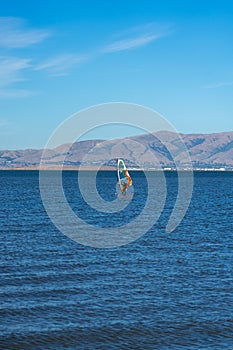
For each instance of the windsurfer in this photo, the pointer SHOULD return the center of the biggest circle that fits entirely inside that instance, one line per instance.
(125, 184)
(124, 179)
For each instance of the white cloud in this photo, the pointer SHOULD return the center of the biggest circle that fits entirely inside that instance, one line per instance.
(15, 93)
(137, 37)
(11, 72)
(11, 68)
(2, 123)
(218, 85)
(15, 34)
(131, 43)
(59, 65)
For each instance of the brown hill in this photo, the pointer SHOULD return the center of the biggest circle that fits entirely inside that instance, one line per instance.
(150, 150)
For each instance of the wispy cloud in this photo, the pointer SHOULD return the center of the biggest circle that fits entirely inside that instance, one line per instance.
(3, 123)
(60, 65)
(11, 72)
(218, 85)
(11, 68)
(15, 93)
(137, 37)
(14, 33)
(131, 43)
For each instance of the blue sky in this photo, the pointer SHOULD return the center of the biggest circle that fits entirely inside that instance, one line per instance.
(57, 57)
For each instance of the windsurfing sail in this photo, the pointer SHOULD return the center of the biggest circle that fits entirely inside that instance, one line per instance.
(124, 178)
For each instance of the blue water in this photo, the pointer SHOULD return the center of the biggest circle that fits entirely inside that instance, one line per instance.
(163, 291)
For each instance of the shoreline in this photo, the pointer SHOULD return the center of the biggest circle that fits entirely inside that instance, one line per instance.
(88, 168)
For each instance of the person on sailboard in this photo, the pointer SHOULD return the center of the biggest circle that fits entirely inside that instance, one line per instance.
(124, 179)
(126, 184)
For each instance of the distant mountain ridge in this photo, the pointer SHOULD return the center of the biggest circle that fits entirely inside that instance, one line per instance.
(205, 150)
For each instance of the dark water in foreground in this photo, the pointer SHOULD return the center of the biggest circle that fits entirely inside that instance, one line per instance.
(163, 291)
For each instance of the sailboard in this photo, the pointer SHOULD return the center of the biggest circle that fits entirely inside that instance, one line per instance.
(124, 179)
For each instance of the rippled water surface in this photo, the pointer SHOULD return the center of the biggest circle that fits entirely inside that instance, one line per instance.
(163, 291)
